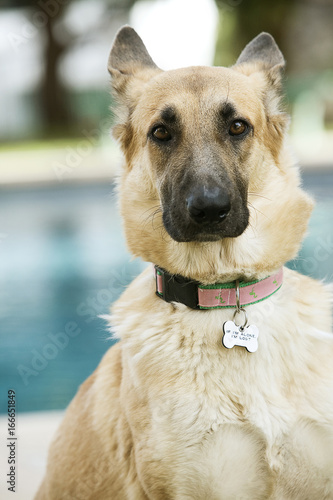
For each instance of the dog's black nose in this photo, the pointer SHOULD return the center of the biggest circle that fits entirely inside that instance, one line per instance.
(208, 205)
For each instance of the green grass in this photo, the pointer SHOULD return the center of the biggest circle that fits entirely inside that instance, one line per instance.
(39, 144)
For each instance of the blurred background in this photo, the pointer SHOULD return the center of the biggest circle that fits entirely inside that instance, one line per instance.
(63, 258)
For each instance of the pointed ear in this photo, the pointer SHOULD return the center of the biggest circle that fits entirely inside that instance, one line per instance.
(262, 61)
(129, 54)
(262, 49)
(131, 67)
(262, 55)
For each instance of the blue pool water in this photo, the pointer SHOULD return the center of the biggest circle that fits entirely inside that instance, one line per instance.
(63, 261)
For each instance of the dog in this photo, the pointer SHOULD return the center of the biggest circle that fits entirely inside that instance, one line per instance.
(221, 384)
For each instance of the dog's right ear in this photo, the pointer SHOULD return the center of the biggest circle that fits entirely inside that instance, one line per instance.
(128, 54)
(129, 58)
(130, 67)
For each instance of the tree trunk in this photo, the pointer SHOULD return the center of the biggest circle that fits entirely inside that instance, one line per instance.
(53, 101)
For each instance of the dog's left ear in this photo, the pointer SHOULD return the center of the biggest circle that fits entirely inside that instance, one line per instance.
(263, 49)
(262, 61)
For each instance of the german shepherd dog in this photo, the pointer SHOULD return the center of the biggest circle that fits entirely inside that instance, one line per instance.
(221, 384)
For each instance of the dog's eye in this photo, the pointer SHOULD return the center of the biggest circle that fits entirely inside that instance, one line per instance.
(161, 133)
(238, 127)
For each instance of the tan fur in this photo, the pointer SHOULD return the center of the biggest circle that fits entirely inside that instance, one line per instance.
(170, 413)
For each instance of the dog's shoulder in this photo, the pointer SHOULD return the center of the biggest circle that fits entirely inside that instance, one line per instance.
(84, 455)
(314, 300)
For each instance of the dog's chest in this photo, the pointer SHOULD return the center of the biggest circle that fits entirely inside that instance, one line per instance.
(195, 384)
(209, 411)
(213, 386)
(212, 413)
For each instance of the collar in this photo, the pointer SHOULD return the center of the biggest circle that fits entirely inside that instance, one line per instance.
(175, 288)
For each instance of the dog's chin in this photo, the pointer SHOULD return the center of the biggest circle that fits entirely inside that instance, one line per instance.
(203, 234)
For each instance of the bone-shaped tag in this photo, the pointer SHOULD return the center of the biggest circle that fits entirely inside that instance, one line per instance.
(244, 337)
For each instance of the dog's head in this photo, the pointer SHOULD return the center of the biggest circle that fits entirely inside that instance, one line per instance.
(203, 149)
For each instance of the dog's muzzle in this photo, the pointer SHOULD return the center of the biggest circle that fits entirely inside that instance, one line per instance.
(204, 208)
(208, 205)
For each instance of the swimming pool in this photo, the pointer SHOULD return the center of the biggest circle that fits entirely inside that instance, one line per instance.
(63, 260)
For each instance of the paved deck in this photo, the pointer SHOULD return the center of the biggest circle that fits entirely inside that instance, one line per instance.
(34, 434)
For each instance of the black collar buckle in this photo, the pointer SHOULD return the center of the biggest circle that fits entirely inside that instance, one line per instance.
(176, 288)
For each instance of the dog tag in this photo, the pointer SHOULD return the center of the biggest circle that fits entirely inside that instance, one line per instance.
(241, 336)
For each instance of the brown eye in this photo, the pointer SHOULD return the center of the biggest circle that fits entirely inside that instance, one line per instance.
(161, 134)
(238, 127)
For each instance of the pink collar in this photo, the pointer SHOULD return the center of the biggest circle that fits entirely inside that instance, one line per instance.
(174, 288)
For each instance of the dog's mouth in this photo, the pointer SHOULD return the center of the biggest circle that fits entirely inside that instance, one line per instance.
(192, 232)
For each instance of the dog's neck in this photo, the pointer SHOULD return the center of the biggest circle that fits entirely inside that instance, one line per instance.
(278, 222)
(175, 288)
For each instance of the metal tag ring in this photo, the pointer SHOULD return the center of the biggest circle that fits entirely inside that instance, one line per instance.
(238, 310)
